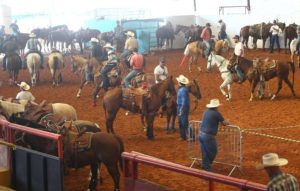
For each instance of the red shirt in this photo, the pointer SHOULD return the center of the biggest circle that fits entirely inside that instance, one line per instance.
(205, 35)
(137, 61)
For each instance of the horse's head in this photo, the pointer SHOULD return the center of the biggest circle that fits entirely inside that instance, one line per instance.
(194, 89)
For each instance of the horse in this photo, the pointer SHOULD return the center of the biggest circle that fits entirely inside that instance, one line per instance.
(64, 36)
(163, 33)
(114, 99)
(87, 68)
(13, 65)
(43, 34)
(84, 35)
(268, 69)
(33, 66)
(221, 46)
(56, 64)
(191, 33)
(293, 50)
(289, 35)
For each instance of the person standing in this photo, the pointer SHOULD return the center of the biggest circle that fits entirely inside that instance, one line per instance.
(34, 46)
(137, 64)
(279, 181)
(206, 35)
(222, 33)
(25, 94)
(183, 106)
(161, 71)
(239, 52)
(207, 136)
(275, 30)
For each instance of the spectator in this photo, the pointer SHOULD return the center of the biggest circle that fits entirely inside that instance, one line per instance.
(183, 106)
(279, 181)
(207, 136)
(137, 63)
(239, 52)
(34, 46)
(275, 30)
(222, 33)
(206, 35)
(161, 71)
(24, 94)
(130, 44)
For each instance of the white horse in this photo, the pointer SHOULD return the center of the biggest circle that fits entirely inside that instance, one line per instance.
(293, 50)
(56, 63)
(33, 65)
(226, 75)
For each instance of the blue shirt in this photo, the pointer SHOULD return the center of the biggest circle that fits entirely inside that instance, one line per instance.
(183, 99)
(210, 121)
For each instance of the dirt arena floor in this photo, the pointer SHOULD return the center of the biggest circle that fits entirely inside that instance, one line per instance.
(282, 112)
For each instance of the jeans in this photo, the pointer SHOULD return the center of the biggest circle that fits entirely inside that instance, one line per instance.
(273, 39)
(183, 121)
(107, 68)
(207, 49)
(222, 35)
(129, 76)
(208, 150)
(239, 72)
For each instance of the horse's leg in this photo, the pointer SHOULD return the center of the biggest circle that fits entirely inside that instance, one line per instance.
(253, 85)
(287, 81)
(115, 174)
(196, 61)
(229, 88)
(279, 86)
(190, 63)
(174, 114)
(222, 87)
(169, 115)
(150, 119)
(96, 91)
(81, 86)
(94, 181)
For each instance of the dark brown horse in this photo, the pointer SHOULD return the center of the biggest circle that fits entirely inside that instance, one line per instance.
(191, 33)
(266, 70)
(63, 38)
(165, 33)
(114, 99)
(289, 34)
(13, 65)
(84, 35)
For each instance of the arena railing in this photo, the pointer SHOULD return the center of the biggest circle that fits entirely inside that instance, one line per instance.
(132, 159)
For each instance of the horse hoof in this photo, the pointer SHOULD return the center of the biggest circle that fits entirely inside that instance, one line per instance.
(273, 97)
(78, 95)
(97, 96)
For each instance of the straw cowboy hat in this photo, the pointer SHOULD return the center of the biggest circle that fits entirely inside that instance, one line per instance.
(24, 86)
(94, 40)
(130, 33)
(182, 79)
(32, 35)
(108, 45)
(213, 103)
(271, 159)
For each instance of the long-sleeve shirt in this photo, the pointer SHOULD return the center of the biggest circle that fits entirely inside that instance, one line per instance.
(183, 100)
(33, 44)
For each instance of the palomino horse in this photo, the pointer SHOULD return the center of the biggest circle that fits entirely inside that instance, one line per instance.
(267, 70)
(114, 99)
(13, 65)
(165, 33)
(293, 50)
(56, 64)
(33, 66)
(87, 68)
(289, 34)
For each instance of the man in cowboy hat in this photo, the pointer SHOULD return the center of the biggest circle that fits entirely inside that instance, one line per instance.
(209, 128)
(33, 46)
(279, 181)
(24, 94)
(239, 52)
(183, 106)
(97, 51)
(130, 44)
(275, 30)
(111, 63)
(206, 35)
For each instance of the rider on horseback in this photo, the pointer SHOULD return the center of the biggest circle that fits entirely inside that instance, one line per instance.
(15, 28)
(97, 51)
(130, 44)
(9, 46)
(111, 63)
(34, 46)
(239, 52)
(206, 35)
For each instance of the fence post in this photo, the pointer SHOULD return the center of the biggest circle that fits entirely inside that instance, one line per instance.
(211, 185)
(134, 169)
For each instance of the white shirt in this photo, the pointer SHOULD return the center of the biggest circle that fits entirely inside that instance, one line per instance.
(275, 30)
(26, 95)
(161, 72)
(239, 49)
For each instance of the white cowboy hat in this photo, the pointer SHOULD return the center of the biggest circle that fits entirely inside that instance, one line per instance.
(271, 159)
(94, 40)
(31, 35)
(182, 79)
(24, 86)
(108, 45)
(130, 33)
(213, 103)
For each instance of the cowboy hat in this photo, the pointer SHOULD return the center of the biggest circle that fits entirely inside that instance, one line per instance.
(32, 35)
(236, 37)
(130, 33)
(94, 40)
(24, 86)
(182, 79)
(108, 45)
(271, 159)
(213, 103)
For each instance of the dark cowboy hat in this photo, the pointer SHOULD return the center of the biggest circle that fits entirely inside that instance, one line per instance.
(220, 21)
(207, 24)
(236, 37)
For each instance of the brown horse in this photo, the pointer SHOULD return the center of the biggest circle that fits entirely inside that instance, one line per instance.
(267, 70)
(191, 33)
(163, 33)
(289, 34)
(13, 65)
(114, 99)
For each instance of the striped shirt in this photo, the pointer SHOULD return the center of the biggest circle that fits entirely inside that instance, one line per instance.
(283, 182)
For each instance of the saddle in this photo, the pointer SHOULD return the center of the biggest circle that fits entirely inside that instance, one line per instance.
(80, 141)
(133, 98)
(35, 112)
(264, 66)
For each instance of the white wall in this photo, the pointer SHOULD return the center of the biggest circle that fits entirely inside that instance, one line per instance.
(5, 17)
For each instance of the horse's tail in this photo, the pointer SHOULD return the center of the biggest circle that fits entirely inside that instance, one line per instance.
(122, 149)
(293, 71)
(55, 62)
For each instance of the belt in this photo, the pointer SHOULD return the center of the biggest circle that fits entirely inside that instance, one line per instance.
(201, 132)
